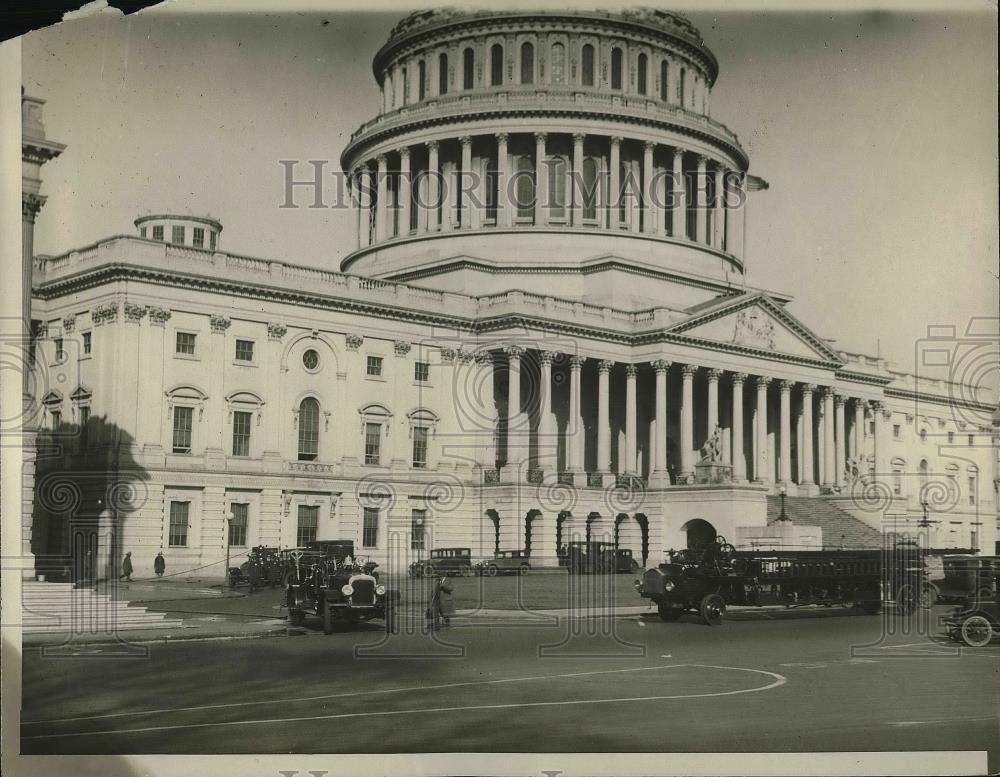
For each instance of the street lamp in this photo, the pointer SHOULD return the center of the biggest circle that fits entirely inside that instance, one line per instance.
(782, 490)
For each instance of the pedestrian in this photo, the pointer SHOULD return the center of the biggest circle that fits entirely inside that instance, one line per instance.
(440, 606)
(126, 568)
(159, 564)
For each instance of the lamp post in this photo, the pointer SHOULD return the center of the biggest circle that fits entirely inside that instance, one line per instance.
(782, 490)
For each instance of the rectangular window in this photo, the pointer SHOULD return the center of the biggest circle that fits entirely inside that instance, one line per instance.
(972, 490)
(895, 431)
(244, 350)
(241, 433)
(87, 343)
(421, 372)
(897, 482)
(308, 523)
(373, 443)
(56, 418)
(419, 447)
(157, 233)
(238, 524)
(418, 520)
(375, 366)
(142, 232)
(972, 440)
(60, 350)
(185, 343)
(183, 418)
(211, 240)
(369, 533)
(177, 235)
(198, 237)
(84, 421)
(179, 514)
(951, 437)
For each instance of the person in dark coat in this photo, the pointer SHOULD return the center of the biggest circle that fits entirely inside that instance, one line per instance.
(126, 568)
(440, 606)
(159, 564)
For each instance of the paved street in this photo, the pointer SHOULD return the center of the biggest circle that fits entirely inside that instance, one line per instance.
(763, 681)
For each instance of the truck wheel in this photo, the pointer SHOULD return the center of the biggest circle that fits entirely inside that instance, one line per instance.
(928, 596)
(712, 608)
(492, 570)
(295, 617)
(906, 600)
(976, 631)
(669, 614)
(327, 619)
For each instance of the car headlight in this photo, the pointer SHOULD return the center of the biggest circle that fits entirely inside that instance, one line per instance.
(380, 590)
(668, 586)
(347, 590)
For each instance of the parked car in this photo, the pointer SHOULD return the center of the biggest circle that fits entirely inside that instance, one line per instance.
(960, 578)
(976, 622)
(263, 567)
(506, 562)
(444, 561)
(329, 581)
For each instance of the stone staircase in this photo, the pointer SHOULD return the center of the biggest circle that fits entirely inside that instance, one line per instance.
(61, 607)
(840, 528)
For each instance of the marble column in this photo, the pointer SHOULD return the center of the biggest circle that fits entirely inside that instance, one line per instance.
(649, 219)
(574, 444)
(857, 439)
(469, 215)
(547, 439)
(760, 444)
(541, 181)
(382, 211)
(701, 200)
(604, 417)
(576, 179)
(679, 212)
(785, 432)
(687, 421)
(615, 184)
(503, 181)
(659, 468)
(840, 456)
(807, 433)
(738, 459)
(433, 187)
(829, 454)
(514, 438)
(630, 419)
(713, 400)
(718, 228)
(404, 191)
(882, 469)
(364, 199)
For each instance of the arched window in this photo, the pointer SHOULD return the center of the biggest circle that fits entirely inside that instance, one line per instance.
(496, 65)
(557, 187)
(558, 63)
(422, 84)
(642, 75)
(524, 193)
(590, 188)
(468, 63)
(924, 469)
(527, 63)
(616, 68)
(443, 74)
(680, 87)
(664, 79)
(898, 466)
(308, 429)
(587, 65)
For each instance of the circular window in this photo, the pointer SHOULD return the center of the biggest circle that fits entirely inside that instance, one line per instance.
(310, 359)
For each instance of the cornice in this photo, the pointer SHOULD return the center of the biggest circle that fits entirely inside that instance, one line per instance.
(864, 377)
(918, 396)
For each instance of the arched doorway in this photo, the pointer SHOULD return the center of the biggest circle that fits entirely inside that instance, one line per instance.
(699, 533)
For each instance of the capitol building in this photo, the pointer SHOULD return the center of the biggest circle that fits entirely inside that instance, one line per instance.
(543, 333)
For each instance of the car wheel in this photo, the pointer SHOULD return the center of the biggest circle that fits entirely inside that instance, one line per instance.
(976, 631)
(523, 570)
(906, 600)
(669, 614)
(928, 596)
(492, 570)
(712, 608)
(295, 617)
(428, 570)
(327, 619)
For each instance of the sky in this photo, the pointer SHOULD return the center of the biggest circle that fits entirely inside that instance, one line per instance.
(876, 130)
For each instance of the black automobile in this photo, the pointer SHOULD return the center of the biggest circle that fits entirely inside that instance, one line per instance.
(444, 561)
(977, 621)
(960, 578)
(263, 567)
(506, 562)
(327, 580)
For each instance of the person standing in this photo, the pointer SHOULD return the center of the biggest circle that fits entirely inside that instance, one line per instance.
(126, 568)
(159, 564)
(441, 605)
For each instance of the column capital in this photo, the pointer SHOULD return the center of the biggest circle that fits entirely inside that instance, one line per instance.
(785, 386)
(714, 373)
(762, 381)
(826, 391)
(739, 378)
(380, 160)
(546, 357)
(604, 366)
(649, 145)
(465, 140)
(404, 152)
(540, 137)
(502, 137)
(432, 145)
(688, 370)
(661, 365)
(702, 160)
(808, 388)
(631, 371)
(579, 137)
(616, 140)
(513, 351)
(839, 399)
(483, 357)
(576, 362)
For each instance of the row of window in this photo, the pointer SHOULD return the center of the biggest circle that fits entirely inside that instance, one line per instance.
(559, 74)
(897, 434)
(951, 471)
(307, 525)
(178, 234)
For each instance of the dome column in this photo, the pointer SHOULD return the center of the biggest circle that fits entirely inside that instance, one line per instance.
(679, 210)
(469, 215)
(735, 214)
(577, 179)
(649, 216)
(719, 221)
(541, 181)
(615, 193)
(382, 212)
(503, 181)
(701, 201)
(432, 205)
(404, 191)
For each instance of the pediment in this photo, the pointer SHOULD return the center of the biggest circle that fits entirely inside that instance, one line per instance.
(757, 323)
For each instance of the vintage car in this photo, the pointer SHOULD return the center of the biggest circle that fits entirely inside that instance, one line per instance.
(444, 561)
(960, 578)
(506, 562)
(588, 558)
(976, 622)
(263, 567)
(327, 580)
